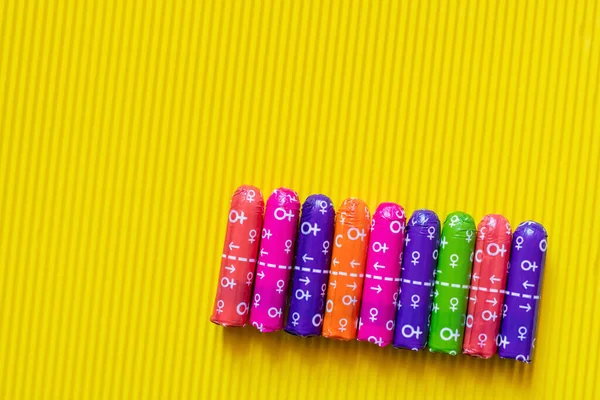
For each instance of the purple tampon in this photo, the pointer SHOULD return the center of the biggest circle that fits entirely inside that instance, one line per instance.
(417, 282)
(313, 254)
(528, 254)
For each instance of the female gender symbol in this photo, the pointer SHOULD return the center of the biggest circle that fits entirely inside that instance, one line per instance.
(519, 241)
(522, 333)
(373, 312)
(256, 300)
(454, 260)
(482, 339)
(415, 301)
(415, 257)
(454, 304)
(295, 318)
(220, 305)
(288, 246)
(252, 235)
(325, 247)
(280, 285)
(343, 323)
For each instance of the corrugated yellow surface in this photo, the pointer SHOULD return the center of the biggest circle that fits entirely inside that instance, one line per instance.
(125, 127)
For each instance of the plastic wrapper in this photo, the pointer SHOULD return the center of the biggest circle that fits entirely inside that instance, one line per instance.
(344, 292)
(523, 292)
(453, 276)
(311, 269)
(382, 275)
(417, 283)
(238, 261)
(488, 280)
(275, 260)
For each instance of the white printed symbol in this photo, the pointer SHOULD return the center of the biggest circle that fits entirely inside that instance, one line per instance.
(482, 231)
(317, 319)
(295, 318)
(469, 236)
(249, 278)
(493, 249)
(323, 289)
(407, 239)
(242, 308)
(502, 341)
(275, 312)
(250, 196)
(343, 323)
(372, 225)
(409, 331)
(288, 246)
(252, 235)
(482, 339)
(488, 315)
(280, 285)
(435, 308)
(471, 256)
(454, 304)
(454, 260)
(373, 312)
(504, 310)
(342, 218)
(435, 255)
(443, 242)
(447, 334)
(522, 333)
(477, 254)
(235, 216)
(527, 265)
(415, 257)
(307, 229)
(329, 306)
(377, 341)
(220, 305)
(521, 357)
(519, 241)
(355, 234)
(256, 300)
(390, 325)
(281, 214)
(266, 234)
(431, 231)
(326, 247)
(378, 247)
(508, 230)
(226, 282)
(258, 326)
(469, 321)
(543, 245)
(303, 295)
(454, 220)
(395, 302)
(322, 206)
(396, 227)
(415, 301)
(338, 244)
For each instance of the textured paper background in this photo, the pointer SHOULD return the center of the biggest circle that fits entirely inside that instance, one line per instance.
(126, 126)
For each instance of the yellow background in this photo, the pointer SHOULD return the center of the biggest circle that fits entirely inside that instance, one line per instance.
(126, 126)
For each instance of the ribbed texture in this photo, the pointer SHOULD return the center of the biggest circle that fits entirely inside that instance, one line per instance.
(125, 128)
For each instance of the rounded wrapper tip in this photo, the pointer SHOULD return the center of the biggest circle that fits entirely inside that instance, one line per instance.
(355, 207)
(460, 221)
(389, 211)
(284, 197)
(425, 218)
(247, 195)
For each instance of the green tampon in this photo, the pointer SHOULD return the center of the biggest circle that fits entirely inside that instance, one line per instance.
(453, 276)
